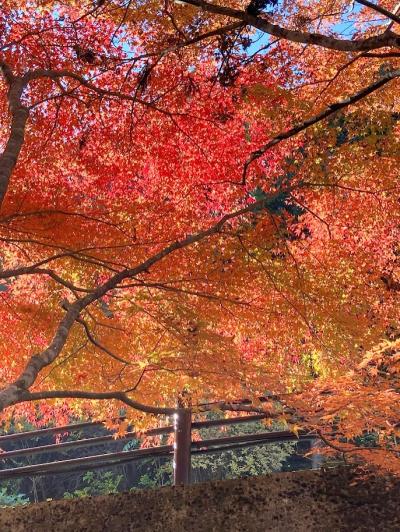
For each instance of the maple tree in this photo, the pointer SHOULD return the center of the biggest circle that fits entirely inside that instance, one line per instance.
(199, 201)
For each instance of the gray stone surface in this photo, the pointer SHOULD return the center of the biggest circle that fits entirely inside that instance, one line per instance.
(323, 501)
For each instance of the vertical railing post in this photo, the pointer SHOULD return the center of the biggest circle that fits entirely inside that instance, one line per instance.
(182, 446)
(316, 459)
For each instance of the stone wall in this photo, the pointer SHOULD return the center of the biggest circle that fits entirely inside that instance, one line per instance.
(327, 501)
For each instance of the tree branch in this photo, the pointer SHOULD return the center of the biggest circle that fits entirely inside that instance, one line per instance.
(20, 114)
(380, 9)
(14, 392)
(385, 39)
(55, 75)
(97, 344)
(189, 42)
(124, 398)
(36, 270)
(161, 286)
(330, 110)
(79, 394)
(396, 10)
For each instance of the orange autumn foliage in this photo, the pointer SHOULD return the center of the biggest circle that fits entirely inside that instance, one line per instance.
(201, 200)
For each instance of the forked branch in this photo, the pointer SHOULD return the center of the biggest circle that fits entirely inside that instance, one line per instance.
(17, 391)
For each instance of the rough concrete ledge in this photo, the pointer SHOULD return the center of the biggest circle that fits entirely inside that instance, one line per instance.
(323, 501)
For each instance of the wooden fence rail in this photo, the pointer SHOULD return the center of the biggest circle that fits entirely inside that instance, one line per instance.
(181, 451)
